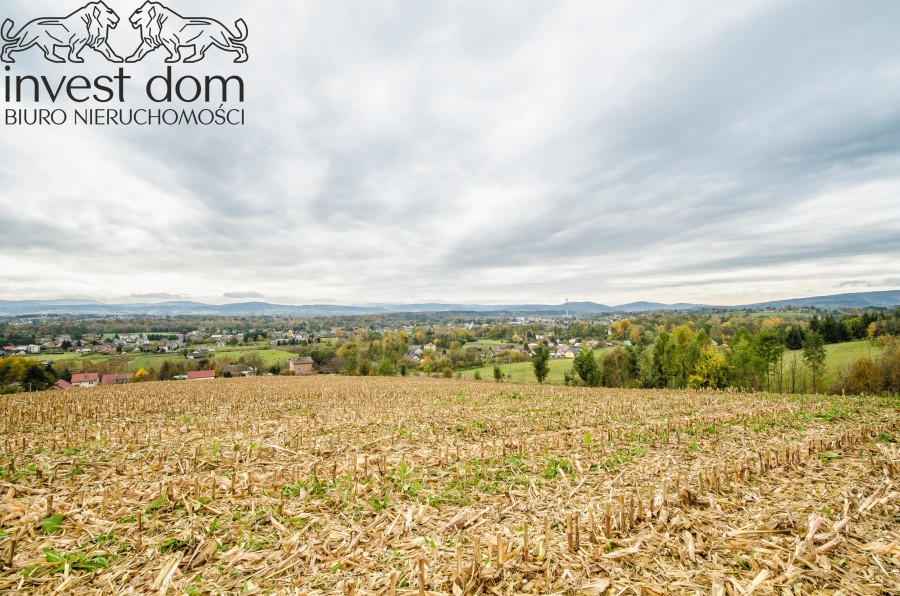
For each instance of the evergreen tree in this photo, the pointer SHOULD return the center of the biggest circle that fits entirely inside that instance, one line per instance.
(794, 338)
(541, 363)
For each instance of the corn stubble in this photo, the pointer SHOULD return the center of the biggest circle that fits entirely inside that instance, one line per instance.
(337, 485)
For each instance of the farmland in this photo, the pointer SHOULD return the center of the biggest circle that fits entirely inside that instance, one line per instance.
(340, 485)
(135, 362)
(523, 372)
(840, 357)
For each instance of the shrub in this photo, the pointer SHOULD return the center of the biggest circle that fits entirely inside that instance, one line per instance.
(865, 376)
(890, 367)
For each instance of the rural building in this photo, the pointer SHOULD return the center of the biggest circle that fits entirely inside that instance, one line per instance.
(238, 370)
(117, 379)
(170, 346)
(62, 384)
(86, 380)
(302, 366)
(201, 375)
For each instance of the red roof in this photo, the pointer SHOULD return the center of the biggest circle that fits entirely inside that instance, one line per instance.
(117, 378)
(85, 378)
(63, 384)
(201, 374)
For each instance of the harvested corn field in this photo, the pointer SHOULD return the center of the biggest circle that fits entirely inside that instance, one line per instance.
(407, 486)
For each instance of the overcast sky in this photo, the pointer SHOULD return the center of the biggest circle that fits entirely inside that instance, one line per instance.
(492, 151)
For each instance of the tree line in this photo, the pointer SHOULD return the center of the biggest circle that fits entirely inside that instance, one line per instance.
(789, 359)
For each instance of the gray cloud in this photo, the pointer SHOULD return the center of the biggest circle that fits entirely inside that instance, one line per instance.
(498, 152)
(856, 284)
(886, 283)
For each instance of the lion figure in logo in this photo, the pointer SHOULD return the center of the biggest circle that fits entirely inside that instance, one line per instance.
(163, 27)
(86, 27)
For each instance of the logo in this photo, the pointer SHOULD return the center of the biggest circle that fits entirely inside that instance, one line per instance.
(170, 98)
(159, 26)
(86, 27)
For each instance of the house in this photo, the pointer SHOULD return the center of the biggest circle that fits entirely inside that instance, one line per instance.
(201, 375)
(86, 380)
(63, 384)
(430, 348)
(117, 379)
(198, 355)
(302, 366)
(564, 351)
(238, 370)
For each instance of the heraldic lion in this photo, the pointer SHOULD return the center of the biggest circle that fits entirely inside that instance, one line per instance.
(86, 27)
(163, 27)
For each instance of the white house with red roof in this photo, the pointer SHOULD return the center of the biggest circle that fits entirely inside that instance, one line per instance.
(86, 380)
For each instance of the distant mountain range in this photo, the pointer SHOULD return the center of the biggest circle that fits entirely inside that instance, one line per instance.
(249, 309)
(887, 298)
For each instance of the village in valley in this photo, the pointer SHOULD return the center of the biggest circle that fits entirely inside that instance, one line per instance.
(751, 348)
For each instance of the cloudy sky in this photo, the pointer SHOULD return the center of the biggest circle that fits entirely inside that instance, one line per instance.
(494, 152)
